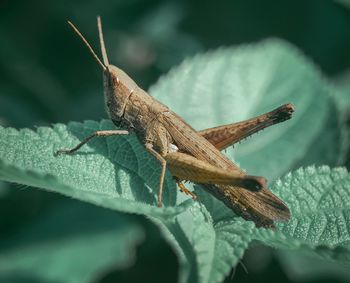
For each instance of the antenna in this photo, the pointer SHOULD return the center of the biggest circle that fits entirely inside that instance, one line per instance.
(87, 45)
(102, 42)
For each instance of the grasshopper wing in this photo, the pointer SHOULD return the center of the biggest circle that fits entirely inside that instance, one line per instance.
(262, 207)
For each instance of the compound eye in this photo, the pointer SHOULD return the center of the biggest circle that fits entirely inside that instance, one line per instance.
(114, 81)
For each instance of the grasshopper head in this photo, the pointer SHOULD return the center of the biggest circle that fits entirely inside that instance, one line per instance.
(118, 86)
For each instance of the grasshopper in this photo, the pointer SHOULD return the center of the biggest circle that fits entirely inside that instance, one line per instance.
(188, 154)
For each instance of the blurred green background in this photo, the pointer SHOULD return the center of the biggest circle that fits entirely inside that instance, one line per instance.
(47, 76)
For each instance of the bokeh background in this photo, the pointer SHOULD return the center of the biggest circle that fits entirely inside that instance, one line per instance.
(47, 76)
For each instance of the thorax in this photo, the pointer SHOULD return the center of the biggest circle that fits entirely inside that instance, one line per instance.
(141, 110)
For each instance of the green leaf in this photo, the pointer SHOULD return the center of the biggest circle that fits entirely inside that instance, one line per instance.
(342, 96)
(207, 250)
(233, 84)
(72, 242)
(319, 202)
(346, 3)
(304, 268)
(117, 172)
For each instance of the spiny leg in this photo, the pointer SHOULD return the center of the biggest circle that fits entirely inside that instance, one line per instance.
(184, 189)
(95, 134)
(224, 136)
(162, 161)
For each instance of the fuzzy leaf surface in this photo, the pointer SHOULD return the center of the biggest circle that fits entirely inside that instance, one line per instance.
(319, 200)
(218, 87)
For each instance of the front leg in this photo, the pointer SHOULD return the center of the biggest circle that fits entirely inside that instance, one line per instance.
(157, 135)
(162, 161)
(95, 134)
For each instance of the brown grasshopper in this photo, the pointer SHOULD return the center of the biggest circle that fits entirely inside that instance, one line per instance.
(190, 155)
